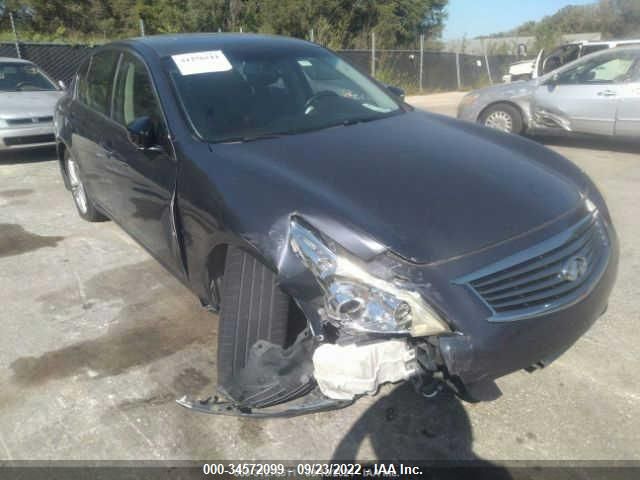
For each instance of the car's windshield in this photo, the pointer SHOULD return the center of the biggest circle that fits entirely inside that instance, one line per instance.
(23, 77)
(239, 95)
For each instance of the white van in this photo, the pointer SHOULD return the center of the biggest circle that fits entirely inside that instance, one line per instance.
(543, 63)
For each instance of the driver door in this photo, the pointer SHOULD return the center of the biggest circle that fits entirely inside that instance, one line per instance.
(584, 98)
(147, 176)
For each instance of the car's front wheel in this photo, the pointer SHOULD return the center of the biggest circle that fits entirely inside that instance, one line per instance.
(253, 308)
(503, 117)
(84, 205)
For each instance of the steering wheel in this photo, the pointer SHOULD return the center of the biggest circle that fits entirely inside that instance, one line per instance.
(20, 85)
(315, 97)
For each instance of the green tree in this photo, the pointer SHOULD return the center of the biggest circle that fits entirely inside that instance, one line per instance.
(336, 23)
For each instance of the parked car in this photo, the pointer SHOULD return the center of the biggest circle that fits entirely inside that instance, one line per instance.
(548, 62)
(347, 239)
(27, 100)
(598, 94)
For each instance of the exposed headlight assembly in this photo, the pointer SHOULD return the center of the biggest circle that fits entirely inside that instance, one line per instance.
(356, 300)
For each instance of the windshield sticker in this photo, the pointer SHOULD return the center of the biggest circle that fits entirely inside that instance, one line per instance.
(304, 63)
(375, 108)
(202, 62)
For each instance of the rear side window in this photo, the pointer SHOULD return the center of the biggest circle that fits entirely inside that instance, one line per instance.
(134, 96)
(99, 85)
(587, 49)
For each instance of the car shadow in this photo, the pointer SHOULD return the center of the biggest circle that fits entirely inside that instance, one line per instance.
(593, 143)
(35, 155)
(403, 426)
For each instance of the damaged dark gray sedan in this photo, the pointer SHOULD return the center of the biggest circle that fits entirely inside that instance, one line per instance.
(346, 239)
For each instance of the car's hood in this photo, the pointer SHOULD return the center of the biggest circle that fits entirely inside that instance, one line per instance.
(28, 104)
(426, 186)
(515, 89)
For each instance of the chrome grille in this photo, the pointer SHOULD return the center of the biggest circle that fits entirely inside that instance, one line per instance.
(546, 277)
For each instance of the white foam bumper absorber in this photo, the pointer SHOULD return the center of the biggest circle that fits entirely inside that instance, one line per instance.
(344, 371)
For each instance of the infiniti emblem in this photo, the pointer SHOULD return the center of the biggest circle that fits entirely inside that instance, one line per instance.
(574, 268)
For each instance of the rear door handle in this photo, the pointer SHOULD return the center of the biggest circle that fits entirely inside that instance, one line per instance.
(607, 93)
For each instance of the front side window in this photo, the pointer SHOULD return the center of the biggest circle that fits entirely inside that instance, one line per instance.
(100, 81)
(82, 89)
(23, 77)
(243, 94)
(613, 67)
(134, 97)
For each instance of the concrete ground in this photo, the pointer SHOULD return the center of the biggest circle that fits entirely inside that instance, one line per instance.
(98, 340)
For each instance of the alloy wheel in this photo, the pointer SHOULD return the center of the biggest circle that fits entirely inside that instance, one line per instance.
(500, 120)
(77, 188)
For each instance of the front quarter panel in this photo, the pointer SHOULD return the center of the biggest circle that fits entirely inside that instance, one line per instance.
(517, 93)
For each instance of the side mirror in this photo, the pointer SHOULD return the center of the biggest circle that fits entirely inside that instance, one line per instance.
(552, 81)
(141, 133)
(397, 91)
(62, 85)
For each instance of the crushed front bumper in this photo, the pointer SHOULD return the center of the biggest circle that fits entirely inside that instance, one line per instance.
(499, 348)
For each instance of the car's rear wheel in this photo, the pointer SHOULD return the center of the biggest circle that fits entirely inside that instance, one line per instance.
(253, 308)
(503, 117)
(84, 205)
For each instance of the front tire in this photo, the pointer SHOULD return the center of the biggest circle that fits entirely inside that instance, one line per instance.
(253, 308)
(503, 117)
(84, 205)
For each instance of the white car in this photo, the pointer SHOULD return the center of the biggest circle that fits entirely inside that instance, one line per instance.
(543, 63)
(27, 101)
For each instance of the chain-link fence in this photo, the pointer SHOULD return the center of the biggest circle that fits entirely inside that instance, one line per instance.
(440, 71)
(59, 61)
(436, 71)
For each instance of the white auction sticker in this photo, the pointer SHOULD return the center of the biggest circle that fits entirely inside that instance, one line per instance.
(202, 62)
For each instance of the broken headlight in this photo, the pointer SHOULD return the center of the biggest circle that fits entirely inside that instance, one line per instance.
(356, 300)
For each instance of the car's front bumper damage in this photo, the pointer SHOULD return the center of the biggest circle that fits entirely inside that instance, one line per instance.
(330, 367)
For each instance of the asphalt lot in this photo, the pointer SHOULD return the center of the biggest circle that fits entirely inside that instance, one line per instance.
(98, 340)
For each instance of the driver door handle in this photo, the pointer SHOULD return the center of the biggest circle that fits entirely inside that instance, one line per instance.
(607, 93)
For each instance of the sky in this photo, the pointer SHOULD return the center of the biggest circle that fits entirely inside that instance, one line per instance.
(484, 17)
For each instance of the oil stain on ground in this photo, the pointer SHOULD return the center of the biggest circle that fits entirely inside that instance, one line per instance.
(15, 240)
(17, 192)
(158, 318)
(109, 355)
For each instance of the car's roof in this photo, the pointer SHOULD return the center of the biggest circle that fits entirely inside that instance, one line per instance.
(13, 60)
(166, 45)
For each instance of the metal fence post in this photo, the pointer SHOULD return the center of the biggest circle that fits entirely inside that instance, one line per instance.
(420, 82)
(15, 34)
(141, 27)
(486, 61)
(458, 71)
(373, 54)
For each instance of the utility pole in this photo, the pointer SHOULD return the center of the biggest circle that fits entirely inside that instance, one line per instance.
(421, 61)
(486, 61)
(15, 34)
(373, 54)
(458, 71)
